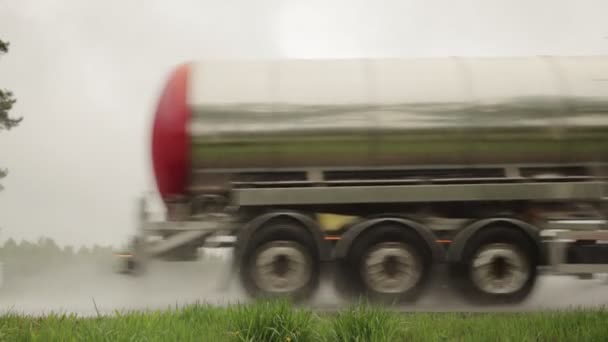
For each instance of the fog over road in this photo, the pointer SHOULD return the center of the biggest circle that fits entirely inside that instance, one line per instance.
(80, 287)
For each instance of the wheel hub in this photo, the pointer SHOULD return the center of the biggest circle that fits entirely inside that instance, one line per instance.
(391, 267)
(500, 269)
(281, 267)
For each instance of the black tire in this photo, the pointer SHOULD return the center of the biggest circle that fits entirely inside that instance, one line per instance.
(349, 280)
(462, 274)
(279, 230)
(130, 266)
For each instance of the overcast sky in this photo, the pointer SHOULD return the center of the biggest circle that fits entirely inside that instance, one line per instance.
(87, 75)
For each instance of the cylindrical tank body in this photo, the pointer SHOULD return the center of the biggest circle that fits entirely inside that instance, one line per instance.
(380, 112)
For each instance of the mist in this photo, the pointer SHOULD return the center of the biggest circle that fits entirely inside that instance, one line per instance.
(87, 76)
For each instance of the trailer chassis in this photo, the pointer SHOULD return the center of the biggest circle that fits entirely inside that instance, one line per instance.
(220, 230)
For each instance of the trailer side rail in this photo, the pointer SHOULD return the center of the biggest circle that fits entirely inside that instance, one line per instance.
(420, 193)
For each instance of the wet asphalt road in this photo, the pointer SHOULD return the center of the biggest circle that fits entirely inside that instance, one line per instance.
(88, 288)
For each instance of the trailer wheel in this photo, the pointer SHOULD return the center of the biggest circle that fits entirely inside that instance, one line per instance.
(280, 260)
(498, 266)
(388, 264)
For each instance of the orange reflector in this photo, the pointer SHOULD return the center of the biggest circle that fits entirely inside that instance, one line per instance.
(123, 255)
(332, 238)
(336, 238)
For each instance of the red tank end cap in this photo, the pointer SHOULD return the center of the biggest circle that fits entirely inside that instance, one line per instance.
(170, 139)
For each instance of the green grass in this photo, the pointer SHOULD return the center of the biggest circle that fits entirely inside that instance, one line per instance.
(279, 321)
(366, 323)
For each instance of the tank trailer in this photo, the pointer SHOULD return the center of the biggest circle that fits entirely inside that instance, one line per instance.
(494, 168)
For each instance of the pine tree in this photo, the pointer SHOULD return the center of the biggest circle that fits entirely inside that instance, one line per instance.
(6, 103)
(6, 100)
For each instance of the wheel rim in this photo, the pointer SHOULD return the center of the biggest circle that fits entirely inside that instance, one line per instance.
(500, 269)
(282, 267)
(391, 267)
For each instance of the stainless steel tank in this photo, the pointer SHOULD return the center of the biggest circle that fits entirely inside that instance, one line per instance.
(385, 112)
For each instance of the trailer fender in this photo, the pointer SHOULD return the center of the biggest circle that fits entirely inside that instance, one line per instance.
(342, 247)
(454, 253)
(244, 236)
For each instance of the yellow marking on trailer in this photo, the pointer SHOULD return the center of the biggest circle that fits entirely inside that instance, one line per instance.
(329, 222)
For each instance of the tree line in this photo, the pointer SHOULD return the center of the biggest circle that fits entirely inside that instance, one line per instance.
(48, 248)
(26, 258)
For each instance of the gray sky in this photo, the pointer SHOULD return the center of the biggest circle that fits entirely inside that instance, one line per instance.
(87, 75)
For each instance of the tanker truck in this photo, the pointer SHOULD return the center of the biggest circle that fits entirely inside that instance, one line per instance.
(492, 168)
